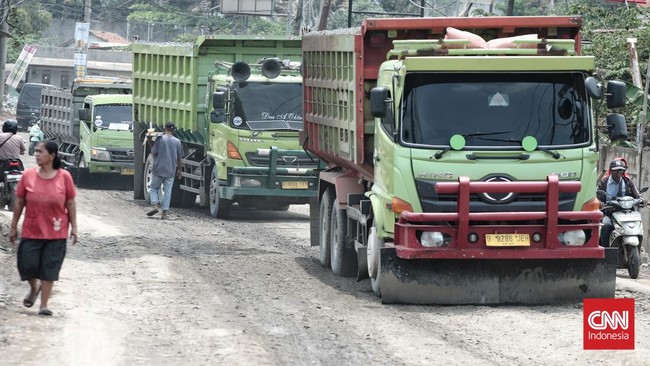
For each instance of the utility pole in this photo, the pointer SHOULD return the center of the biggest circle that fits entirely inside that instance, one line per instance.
(3, 50)
(87, 11)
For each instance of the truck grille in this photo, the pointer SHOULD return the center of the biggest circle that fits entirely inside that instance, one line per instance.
(121, 155)
(523, 202)
(290, 161)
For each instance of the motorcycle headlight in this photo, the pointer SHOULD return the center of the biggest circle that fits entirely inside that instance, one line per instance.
(100, 154)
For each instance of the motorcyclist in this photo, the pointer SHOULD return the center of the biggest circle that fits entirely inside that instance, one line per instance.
(35, 129)
(11, 145)
(616, 183)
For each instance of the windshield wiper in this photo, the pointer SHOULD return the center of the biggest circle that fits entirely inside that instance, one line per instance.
(475, 134)
(556, 155)
(467, 136)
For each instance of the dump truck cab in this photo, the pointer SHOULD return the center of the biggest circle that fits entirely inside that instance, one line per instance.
(255, 107)
(106, 133)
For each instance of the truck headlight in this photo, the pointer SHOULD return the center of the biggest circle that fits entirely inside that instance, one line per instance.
(100, 154)
(433, 239)
(246, 182)
(574, 237)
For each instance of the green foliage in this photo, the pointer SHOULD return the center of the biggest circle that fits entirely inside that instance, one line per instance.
(27, 23)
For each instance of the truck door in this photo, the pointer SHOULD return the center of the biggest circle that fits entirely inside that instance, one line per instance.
(383, 159)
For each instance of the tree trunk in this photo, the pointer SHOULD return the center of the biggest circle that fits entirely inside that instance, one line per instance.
(324, 13)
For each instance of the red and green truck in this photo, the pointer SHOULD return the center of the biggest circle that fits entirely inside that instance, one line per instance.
(459, 173)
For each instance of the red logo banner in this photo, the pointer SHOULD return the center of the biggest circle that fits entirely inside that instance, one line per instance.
(608, 324)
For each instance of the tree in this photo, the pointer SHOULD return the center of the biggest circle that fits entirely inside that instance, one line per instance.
(27, 21)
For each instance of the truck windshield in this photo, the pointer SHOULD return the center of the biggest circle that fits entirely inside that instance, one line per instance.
(119, 115)
(495, 109)
(267, 106)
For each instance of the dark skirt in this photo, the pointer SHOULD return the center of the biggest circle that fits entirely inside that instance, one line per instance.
(40, 259)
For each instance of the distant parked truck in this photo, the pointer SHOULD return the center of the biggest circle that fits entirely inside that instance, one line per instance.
(28, 107)
(92, 124)
(237, 104)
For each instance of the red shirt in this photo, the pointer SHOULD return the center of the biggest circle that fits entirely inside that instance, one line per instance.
(46, 216)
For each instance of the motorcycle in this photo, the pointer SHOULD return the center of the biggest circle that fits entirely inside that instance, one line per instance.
(12, 170)
(628, 230)
(36, 135)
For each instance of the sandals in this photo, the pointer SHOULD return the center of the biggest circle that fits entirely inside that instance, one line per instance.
(30, 299)
(45, 312)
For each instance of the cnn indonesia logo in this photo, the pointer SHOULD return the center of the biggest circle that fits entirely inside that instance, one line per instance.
(608, 324)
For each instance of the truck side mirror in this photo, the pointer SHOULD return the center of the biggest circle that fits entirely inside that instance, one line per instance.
(378, 99)
(615, 94)
(218, 114)
(84, 114)
(616, 127)
(594, 89)
(219, 100)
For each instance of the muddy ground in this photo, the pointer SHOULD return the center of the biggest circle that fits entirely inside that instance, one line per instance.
(250, 291)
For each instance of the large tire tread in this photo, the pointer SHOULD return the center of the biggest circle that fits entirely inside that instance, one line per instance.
(324, 235)
(343, 259)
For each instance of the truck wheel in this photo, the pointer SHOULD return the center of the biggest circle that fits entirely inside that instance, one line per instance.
(325, 237)
(81, 163)
(344, 259)
(313, 221)
(633, 262)
(148, 175)
(219, 208)
(374, 259)
(181, 198)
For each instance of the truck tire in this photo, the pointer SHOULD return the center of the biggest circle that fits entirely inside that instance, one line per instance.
(374, 259)
(219, 208)
(181, 198)
(146, 182)
(138, 167)
(313, 221)
(343, 258)
(81, 163)
(325, 217)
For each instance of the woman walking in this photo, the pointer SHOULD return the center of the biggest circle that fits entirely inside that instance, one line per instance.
(48, 193)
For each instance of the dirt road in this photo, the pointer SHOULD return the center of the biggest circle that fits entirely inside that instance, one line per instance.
(250, 291)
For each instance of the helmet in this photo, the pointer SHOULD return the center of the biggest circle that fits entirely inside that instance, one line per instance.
(617, 164)
(10, 125)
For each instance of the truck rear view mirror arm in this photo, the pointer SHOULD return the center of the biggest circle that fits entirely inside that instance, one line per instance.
(378, 100)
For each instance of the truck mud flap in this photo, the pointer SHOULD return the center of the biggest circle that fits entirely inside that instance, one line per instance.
(503, 281)
(106, 181)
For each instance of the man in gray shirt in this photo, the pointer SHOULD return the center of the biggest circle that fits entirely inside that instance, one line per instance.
(167, 153)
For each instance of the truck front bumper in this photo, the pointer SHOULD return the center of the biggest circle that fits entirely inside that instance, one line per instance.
(500, 235)
(122, 168)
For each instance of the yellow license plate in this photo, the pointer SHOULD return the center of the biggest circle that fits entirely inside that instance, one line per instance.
(294, 185)
(507, 240)
(127, 171)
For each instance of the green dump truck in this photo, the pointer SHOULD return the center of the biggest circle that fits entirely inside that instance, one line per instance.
(237, 105)
(459, 171)
(92, 124)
